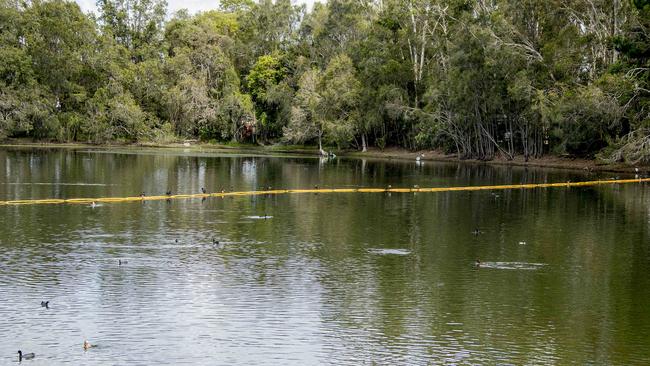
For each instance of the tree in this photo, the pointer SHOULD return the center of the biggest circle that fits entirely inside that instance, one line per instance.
(306, 123)
(135, 24)
(481, 79)
(634, 68)
(114, 114)
(338, 106)
(204, 98)
(270, 93)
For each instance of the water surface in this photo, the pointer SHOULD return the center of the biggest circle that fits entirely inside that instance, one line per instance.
(341, 279)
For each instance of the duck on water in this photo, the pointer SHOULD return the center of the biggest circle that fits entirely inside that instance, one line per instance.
(87, 345)
(25, 356)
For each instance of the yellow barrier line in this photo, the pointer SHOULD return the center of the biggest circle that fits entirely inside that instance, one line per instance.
(317, 190)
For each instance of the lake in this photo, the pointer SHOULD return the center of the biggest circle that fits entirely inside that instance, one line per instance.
(309, 279)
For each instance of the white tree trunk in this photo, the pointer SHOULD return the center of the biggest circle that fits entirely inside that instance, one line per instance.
(320, 145)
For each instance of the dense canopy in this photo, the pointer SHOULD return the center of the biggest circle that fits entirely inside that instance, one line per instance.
(480, 78)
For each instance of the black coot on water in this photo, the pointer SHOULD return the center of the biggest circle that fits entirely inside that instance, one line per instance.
(25, 356)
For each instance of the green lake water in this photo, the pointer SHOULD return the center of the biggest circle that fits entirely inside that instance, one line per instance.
(337, 279)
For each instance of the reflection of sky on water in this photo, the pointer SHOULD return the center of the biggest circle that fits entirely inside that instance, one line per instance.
(249, 172)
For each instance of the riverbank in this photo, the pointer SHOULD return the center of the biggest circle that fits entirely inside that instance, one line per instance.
(548, 161)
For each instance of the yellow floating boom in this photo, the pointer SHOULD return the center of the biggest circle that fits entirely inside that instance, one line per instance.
(316, 190)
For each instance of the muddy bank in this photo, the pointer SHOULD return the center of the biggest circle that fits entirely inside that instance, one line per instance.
(548, 161)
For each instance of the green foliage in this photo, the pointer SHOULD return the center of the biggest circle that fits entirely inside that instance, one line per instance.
(271, 94)
(24, 111)
(236, 6)
(477, 78)
(266, 73)
(114, 114)
(135, 24)
(305, 122)
(340, 100)
(581, 120)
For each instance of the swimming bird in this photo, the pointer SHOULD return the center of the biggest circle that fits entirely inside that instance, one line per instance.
(25, 356)
(121, 262)
(388, 188)
(203, 190)
(88, 345)
(477, 231)
(215, 241)
(477, 263)
(45, 304)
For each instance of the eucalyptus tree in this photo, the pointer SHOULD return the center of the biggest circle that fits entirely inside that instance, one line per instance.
(136, 24)
(339, 105)
(17, 76)
(478, 78)
(306, 122)
(203, 98)
(633, 67)
(61, 43)
(267, 27)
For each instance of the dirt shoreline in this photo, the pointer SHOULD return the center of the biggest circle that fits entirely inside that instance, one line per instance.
(549, 161)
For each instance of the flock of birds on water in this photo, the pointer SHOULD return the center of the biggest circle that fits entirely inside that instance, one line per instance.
(87, 345)
(28, 356)
(418, 158)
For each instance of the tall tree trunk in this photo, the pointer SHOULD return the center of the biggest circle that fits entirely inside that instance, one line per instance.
(320, 144)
